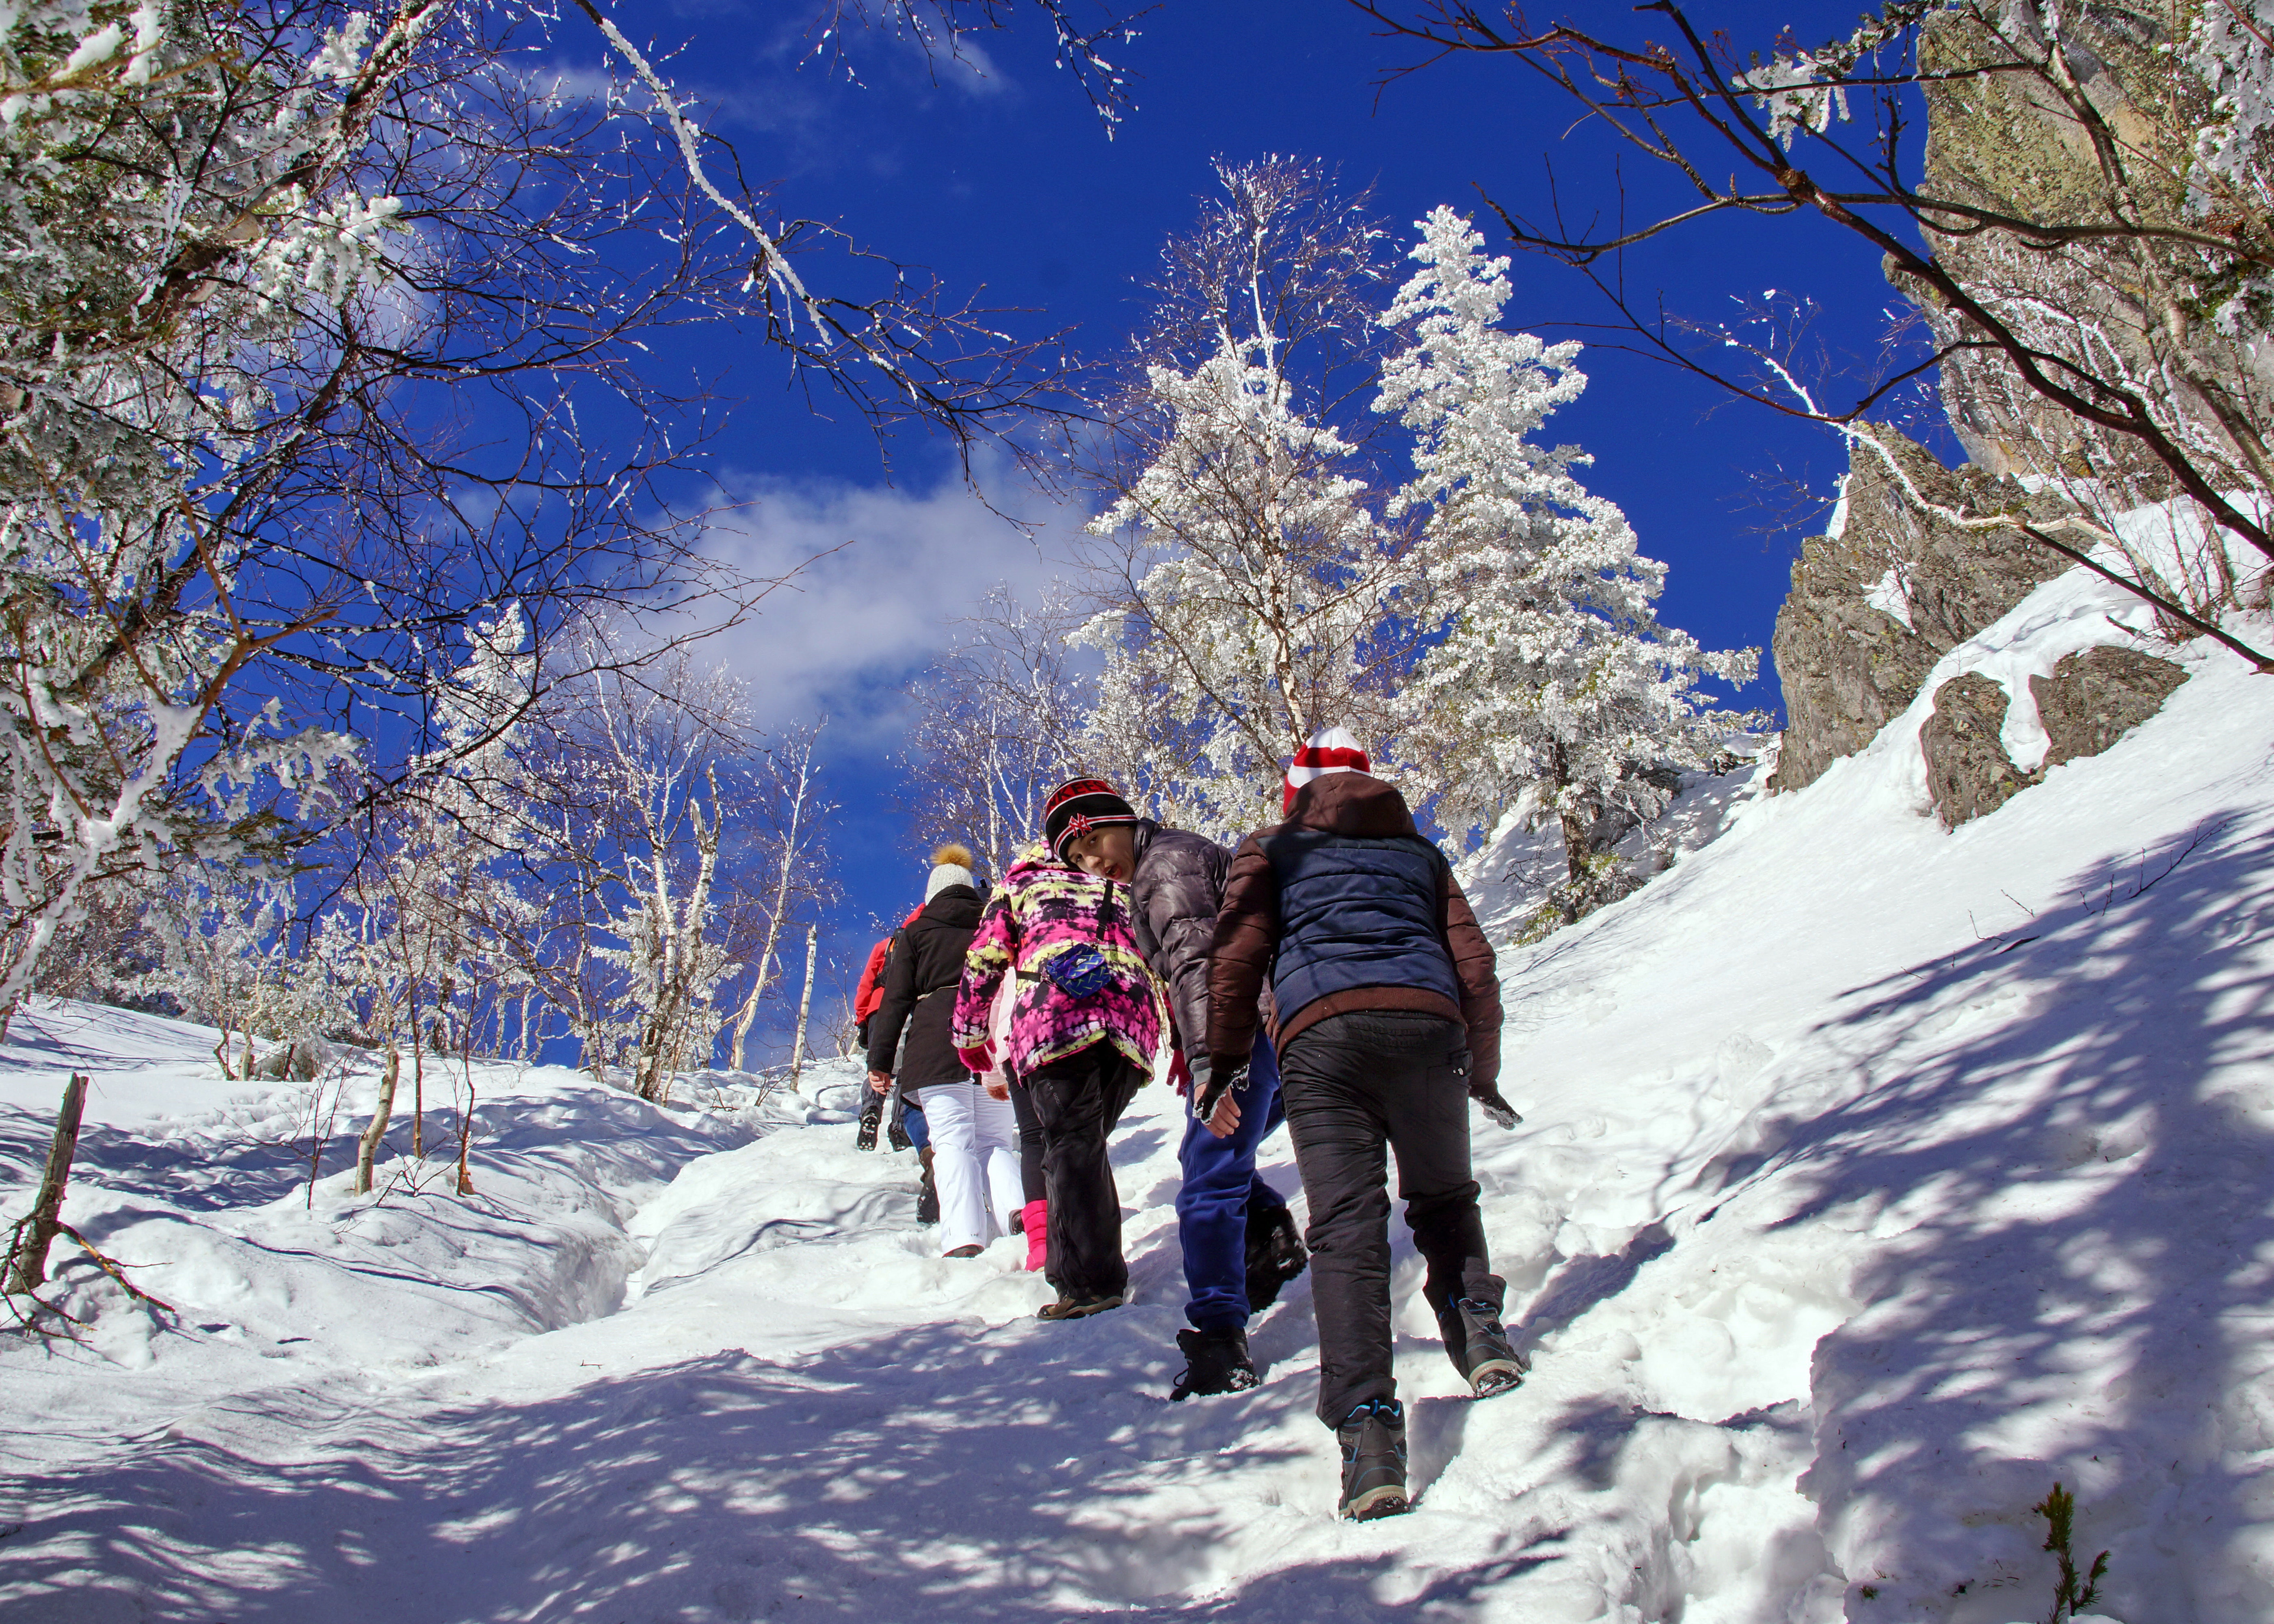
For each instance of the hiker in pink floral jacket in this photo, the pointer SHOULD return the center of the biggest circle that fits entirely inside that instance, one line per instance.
(1086, 1022)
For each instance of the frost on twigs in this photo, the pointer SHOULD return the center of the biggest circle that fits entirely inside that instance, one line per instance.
(153, 209)
(1807, 90)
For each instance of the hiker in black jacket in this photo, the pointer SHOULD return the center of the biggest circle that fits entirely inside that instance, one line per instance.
(975, 1155)
(1239, 1239)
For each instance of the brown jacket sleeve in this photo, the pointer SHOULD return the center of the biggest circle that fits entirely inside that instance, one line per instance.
(1246, 935)
(1479, 977)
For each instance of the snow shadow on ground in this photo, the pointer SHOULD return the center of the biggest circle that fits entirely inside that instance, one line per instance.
(939, 1472)
(2108, 1211)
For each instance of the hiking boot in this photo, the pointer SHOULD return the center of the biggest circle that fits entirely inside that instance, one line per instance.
(1275, 1255)
(897, 1135)
(1485, 1356)
(964, 1251)
(1215, 1362)
(1079, 1307)
(873, 1117)
(1374, 1460)
(926, 1191)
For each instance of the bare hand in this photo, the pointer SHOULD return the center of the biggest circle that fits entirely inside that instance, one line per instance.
(998, 1090)
(879, 1081)
(1225, 1118)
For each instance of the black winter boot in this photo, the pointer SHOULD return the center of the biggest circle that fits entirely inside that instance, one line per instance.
(1479, 1347)
(1215, 1362)
(926, 1192)
(1374, 1460)
(1274, 1255)
(873, 1117)
(897, 1135)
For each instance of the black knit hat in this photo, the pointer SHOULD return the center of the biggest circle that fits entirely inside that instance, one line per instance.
(1078, 806)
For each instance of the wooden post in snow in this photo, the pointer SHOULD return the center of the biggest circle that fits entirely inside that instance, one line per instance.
(804, 1007)
(28, 1259)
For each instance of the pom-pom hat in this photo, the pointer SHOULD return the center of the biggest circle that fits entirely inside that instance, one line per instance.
(1078, 806)
(1330, 750)
(950, 865)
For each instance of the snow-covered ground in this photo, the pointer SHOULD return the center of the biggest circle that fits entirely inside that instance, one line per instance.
(1873, 1178)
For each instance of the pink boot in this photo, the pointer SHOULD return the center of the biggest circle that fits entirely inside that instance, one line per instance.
(1035, 1218)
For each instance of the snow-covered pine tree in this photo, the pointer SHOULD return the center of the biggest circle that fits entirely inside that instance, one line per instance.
(1551, 673)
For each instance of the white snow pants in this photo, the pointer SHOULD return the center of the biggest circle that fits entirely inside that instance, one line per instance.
(974, 1162)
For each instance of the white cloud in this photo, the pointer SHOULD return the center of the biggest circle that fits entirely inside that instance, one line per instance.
(846, 635)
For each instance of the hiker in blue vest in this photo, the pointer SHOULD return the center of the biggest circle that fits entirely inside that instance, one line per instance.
(1389, 1019)
(1239, 1238)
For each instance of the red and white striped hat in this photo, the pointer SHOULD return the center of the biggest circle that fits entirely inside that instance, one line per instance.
(1331, 749)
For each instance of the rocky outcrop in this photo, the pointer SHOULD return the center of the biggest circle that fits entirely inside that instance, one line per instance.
(1968, 771)
(2126, 308)
(2095, 698)
(2089, 702)
(1873, 607)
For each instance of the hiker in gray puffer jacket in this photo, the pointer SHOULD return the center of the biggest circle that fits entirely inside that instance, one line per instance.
(1239, 1238)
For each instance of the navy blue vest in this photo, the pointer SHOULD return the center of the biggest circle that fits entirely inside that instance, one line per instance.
(1356, 911)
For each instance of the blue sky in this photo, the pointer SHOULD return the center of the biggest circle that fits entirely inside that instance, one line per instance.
(997, 176)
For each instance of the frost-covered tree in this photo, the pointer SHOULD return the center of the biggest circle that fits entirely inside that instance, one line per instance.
(323, 341)
(1261, 578)
(618, 828)
(2086, 232)
(782, 873)
(999, 722)
(1245, 593)
(1551, 678)
(229, 956)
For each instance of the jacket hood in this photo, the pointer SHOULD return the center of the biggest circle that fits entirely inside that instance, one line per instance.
(1352, 803)
(953, 905)
(1033, 863)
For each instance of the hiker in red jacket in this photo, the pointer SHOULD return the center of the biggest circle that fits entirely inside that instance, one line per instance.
(866, 998)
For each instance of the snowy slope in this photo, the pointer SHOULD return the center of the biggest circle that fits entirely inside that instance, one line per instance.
(1873, 1178)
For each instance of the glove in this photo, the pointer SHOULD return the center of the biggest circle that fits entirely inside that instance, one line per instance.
(1180, 1073)
(1496, 1107)
(1220, 1081)
(978, 1058)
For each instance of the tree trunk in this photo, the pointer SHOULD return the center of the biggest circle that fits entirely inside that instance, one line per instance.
(466, 1134)
(28, 1269)
(804, 1007)
(418, 1085)
(748, 1015)
(1575, 843)
(367, 1148)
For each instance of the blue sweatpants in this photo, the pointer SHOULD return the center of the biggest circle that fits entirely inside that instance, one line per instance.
(1221, 1188)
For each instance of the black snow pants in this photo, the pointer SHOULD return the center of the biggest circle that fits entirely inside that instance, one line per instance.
(1353, 1084)
(1030, 1144)
(1078, 1100)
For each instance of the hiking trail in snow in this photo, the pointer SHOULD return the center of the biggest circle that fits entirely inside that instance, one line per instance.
(1872, 1178)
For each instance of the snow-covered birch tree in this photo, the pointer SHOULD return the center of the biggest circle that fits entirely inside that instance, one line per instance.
(781, 872)
(1550, 673)
(1244, 592)
(999, 722)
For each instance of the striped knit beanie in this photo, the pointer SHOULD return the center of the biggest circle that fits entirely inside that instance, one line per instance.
(1331, 749)
(1078, 806)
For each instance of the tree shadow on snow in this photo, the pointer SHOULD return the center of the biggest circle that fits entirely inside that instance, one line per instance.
(2087, 1280)
(936, 1472)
